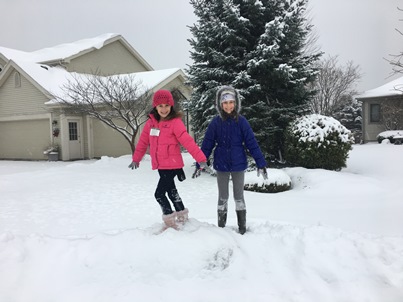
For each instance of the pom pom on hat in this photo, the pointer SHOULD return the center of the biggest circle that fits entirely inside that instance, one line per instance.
(163, 97)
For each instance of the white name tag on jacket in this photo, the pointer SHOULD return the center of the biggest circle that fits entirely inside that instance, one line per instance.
(155, 132)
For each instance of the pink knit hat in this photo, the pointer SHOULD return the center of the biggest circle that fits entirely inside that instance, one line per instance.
(163, 97)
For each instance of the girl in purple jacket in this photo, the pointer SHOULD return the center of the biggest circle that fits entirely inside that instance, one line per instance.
(164, 132)
(230, 135)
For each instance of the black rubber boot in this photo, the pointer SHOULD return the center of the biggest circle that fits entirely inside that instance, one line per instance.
(241, 215)
(222, 218)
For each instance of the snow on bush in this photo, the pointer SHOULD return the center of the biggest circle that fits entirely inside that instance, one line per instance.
(393, 136)
(277, 181)
(317, 141)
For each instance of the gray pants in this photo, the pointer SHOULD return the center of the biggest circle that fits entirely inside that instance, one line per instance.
(238, 179)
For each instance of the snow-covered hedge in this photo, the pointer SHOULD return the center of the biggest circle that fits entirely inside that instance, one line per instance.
(390, 135)
(317, 141)
(278, 181)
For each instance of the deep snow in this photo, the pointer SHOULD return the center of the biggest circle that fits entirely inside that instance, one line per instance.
(85, 231)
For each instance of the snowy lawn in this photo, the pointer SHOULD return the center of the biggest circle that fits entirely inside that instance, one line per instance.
(85, 231)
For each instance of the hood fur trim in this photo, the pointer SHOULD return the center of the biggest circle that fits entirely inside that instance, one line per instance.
(218, 99)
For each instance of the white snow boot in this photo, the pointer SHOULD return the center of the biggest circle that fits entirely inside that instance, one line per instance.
(170, 220)
(182, 216)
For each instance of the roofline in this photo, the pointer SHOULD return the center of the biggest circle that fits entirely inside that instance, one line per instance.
(8, 69)
(389, 96)
(106, 42)
(133, 51)
(178, 73)
(3, 57)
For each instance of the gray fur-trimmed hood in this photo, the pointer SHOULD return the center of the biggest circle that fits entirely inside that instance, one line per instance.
(237, 99)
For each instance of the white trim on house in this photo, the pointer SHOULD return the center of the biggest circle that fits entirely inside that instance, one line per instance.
(26, 117)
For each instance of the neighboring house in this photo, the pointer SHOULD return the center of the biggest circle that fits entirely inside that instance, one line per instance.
(29, 120)
(374, 103)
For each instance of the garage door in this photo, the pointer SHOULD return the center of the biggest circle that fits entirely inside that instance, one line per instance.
(24, 139)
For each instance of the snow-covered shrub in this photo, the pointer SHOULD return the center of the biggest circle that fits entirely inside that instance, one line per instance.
(277, 181)
(317, 141)
(390, 135)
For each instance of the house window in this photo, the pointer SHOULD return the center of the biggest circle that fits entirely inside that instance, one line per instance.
(375, 113)
(73, 131)
(17, 80)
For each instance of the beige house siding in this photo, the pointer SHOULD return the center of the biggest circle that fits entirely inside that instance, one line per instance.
(25, 139)
(25, 124)
(108, 141)
(23, 100)
(370, 130)
(113, 58)
(87, 136)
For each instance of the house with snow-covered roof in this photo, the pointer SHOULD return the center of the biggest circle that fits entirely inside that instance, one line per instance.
(29, 119)
(374, 104)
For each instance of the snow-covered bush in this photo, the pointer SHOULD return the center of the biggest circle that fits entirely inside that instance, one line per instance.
(317, 141)
(277, 181)
(390, 135)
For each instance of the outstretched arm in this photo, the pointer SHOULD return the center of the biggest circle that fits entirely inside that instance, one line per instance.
(252, 145)
(188, 142)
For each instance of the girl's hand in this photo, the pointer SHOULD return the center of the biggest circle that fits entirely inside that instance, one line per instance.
(201, 167)
(134, 165)
(263, 172)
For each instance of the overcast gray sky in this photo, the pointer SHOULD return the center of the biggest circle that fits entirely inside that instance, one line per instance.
(362, 31)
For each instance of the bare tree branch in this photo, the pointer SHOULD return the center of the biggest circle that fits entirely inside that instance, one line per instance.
(118, 101)
(392, 114)
(334, 85)
(396, 60)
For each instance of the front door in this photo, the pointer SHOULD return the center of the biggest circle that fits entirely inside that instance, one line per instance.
(74, 139)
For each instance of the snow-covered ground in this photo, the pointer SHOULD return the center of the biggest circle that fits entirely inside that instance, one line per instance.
(85, 231)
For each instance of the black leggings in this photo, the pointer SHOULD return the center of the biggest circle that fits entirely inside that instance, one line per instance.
(166, 185)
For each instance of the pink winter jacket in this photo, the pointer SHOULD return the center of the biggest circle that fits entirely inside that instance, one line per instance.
(165, 148)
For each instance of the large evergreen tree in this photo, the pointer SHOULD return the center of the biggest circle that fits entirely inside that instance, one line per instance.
(219, 47)
(257, 47)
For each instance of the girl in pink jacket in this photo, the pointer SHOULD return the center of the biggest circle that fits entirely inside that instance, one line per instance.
(164, 132)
